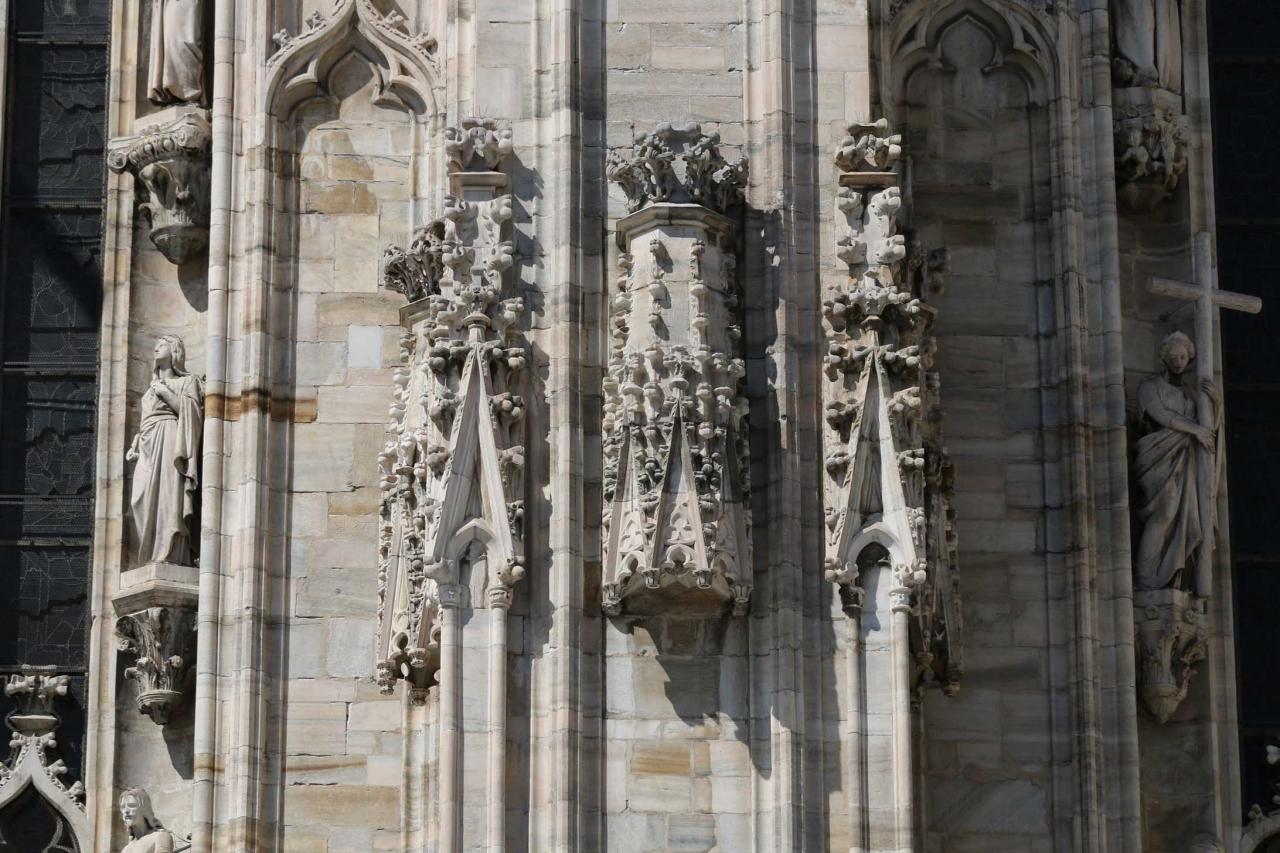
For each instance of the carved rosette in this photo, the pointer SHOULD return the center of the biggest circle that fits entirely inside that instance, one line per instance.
(161, 642)
(33, 759)
(888, 478)
(1172, 633)
(1151, 146)
(676, 514)
(452, 470)
(172, 162)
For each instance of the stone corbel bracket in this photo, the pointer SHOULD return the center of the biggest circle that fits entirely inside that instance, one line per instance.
(1151, 146)
(676, 520)
(1171, 627)
(33, 762)
(156, 630)
(452, 470)
(172, 162)
(888, 477)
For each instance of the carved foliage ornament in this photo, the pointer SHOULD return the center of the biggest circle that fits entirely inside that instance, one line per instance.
(678, 165)
(452, 470)
(676, 514)
(161, 642)
(885, 465)
(392, 24)
(172, 163)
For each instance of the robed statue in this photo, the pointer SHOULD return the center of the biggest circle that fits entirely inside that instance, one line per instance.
(1148, 41)
(176, 73)
(166, 478)
(146, 833)
(1176, 468)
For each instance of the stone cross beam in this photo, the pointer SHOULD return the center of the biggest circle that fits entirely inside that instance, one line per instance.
(1206, 297)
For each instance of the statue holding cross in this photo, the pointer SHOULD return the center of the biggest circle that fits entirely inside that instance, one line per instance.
(1177, 465)
(1178, 460)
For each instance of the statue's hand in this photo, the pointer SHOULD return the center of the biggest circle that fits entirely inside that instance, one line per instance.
(131, 455)
(1206, 438)
(1211, 390)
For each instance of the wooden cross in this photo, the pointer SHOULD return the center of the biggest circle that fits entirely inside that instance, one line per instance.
(1206, 297)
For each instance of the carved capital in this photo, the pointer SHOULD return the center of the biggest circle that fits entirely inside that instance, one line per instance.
(680, 166)
(156, 630)
(161, 643)
(1172, 635)
(477, 144)
(1151, 146)
(172, 163)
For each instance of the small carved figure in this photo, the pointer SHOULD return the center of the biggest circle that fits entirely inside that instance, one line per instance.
(176, 74)
(1135, 159)
(1148, 37)
(166, 479)
(1175, 467)
(146, 833)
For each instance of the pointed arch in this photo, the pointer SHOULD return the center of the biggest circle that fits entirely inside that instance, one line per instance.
(405, 63)
(32, 771)
(1021, 41)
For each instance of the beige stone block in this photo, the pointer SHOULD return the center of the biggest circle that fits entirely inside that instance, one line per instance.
(665, 758)
(334, 591)
(342, 805)
(360, 404)
(648, 792)
(385, 770)
(320, 690)
(386, 715)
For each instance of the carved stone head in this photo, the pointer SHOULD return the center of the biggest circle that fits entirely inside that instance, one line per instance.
(137, 814)
(1177, 351)
(170, 348)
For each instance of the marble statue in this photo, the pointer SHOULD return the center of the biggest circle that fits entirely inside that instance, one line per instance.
(146, 833)
(1148, 38)
(167, 452)
(177, 53)
(1175, 468)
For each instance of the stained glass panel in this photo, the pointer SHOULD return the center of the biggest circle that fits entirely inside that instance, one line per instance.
(50, 301)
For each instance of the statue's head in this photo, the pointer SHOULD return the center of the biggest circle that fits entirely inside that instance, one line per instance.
(171, 352)
(136, 812)
(1177, 351)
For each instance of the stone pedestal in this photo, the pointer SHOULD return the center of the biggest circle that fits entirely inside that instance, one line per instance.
(1151, 146)
(156, 628)
(1172, 635)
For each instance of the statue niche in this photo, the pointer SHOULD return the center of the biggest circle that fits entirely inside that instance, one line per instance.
(176, 70)
(166, 453)
(1175, 467)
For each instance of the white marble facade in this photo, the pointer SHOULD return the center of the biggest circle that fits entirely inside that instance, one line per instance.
(647, 425)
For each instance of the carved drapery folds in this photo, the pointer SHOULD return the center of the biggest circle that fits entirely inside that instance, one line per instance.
(888, 478)
(1176, 467)
(452, 471)
(172, 162)
(676, 515)
(33, 759)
